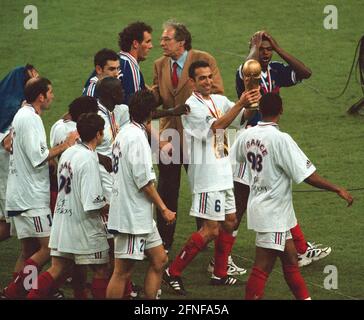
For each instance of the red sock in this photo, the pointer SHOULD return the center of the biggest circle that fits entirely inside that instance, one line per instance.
(16, 288)
(98, 288)
(223, 244)
(193, 246)
(80, 293)
(295, 281)
(59, 282)
(256, 283)
(45, 286)
(299, 239)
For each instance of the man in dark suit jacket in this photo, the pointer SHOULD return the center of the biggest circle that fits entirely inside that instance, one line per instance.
(170, 86)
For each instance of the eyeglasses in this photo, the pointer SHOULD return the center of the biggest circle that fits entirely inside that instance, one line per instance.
(166, 39)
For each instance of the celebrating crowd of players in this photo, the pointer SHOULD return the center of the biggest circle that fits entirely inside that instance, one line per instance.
(88, 199)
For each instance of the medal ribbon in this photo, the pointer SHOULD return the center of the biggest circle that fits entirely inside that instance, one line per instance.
(214, 112)
(267, 84)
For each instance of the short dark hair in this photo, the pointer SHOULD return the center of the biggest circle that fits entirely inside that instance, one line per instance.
(88, 125)
(84, 104)
(102, 56)
(134, 31)
(36, 87)
(270, 105)
(141, 105)
(106, 86)
(181, 32)
(195, 65)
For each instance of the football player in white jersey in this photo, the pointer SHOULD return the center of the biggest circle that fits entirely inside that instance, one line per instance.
(115, 115)
(63, 127)
(210, 174)
(27, 194)
(58, 134)
(11, 99)
(131, 207)
(273, 161)
(78, 234)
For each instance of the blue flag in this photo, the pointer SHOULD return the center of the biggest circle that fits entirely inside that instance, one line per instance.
(11, 96)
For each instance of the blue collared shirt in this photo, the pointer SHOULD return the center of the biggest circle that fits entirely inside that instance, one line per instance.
(180, 62)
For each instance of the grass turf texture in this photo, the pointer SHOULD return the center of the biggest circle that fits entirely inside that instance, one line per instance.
(71, 32)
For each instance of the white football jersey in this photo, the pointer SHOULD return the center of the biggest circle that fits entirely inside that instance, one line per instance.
(28, 180)
(77, 224)
(113, 122)
(130, 210)
(60, 130)
(273, 161)
(209, 167)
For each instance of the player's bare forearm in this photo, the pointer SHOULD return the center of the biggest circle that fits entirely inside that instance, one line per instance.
(298, 66)
(247, 98)
(321, 183)
(151, 192)
(253, 54)
(170, 112)
(227, 118)
(57, 150)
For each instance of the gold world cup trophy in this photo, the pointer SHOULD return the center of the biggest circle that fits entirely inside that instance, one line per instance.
(251, 75)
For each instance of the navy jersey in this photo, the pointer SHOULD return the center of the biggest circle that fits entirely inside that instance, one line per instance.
(131, 76)
(278, 75)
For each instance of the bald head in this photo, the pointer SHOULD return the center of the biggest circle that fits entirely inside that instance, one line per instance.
(35, 87)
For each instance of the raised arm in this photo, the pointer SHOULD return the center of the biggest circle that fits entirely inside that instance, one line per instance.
(302, 72)
(247, 98)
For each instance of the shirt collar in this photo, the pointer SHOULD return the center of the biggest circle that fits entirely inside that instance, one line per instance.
(130, 57)
(103, 109)
(265, 124)
(181, 60)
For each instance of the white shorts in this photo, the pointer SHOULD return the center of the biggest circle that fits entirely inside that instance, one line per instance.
(101, 257)
(33, 223)
(132, 246)
(272, 240)
(213, 205)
